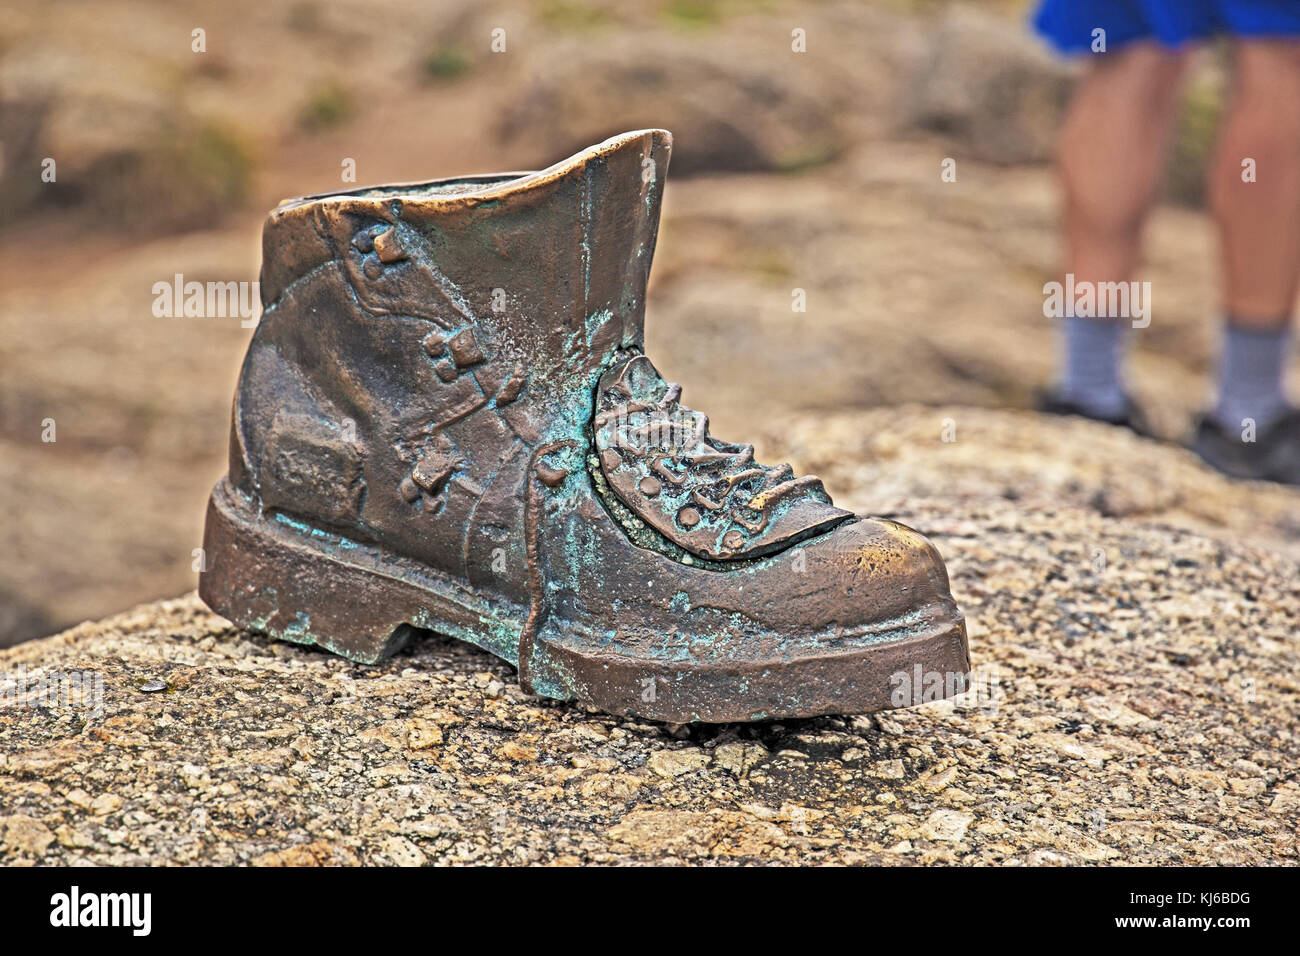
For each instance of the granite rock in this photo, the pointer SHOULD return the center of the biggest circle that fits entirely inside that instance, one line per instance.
(1137, 707)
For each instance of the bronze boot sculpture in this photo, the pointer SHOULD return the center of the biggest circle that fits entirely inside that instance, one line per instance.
(445, 420)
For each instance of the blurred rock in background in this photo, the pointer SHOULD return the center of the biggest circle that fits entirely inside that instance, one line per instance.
(817, 171)
(996, 93)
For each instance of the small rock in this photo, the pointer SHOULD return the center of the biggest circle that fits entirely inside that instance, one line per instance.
(937, 780)
(422, 734)
(674, 763)
(105, 804)
(403, 852)
(1246, 786)
(739, 757)
(946, 825)
(24, 834)
(889, 770)
(513, 750)
(317, 853)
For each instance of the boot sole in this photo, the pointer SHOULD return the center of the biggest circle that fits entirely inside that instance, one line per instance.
(275, 575)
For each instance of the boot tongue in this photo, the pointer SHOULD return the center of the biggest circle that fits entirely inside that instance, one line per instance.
(635, 379)
(707, 496)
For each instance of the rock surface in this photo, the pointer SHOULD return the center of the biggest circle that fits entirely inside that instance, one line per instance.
(1135, 701)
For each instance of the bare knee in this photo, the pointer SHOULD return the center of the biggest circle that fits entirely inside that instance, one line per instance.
(1113, 141)
(1143, 77)
(1261, 131)
(1266, 90)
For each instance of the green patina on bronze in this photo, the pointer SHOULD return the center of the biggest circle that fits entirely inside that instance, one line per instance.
(446, 420)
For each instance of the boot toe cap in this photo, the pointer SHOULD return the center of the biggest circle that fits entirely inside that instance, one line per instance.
(876, 571)
(826, 626)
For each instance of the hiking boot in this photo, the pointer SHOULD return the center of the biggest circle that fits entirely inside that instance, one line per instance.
(446, 420)
(1272, 455)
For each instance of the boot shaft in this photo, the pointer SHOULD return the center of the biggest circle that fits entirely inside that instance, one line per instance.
(418, 341)
(546, 269)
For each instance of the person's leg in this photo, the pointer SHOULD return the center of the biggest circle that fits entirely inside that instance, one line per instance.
(1112, 152)
(1258, 217)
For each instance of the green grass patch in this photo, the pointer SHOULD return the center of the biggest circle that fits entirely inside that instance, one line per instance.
(573, 15)
(446, 63)
(692, 14)
(326, 108)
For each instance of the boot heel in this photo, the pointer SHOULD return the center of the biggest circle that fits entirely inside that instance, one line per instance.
(263, 580)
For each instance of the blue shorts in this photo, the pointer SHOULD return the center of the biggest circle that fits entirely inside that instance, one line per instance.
(1069, 24)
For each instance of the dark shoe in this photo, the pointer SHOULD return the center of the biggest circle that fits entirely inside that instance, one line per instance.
(1274, 455)
(446, 420)
(1132, 418)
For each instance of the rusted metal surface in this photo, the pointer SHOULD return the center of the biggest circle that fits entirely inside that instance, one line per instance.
(446, 420)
